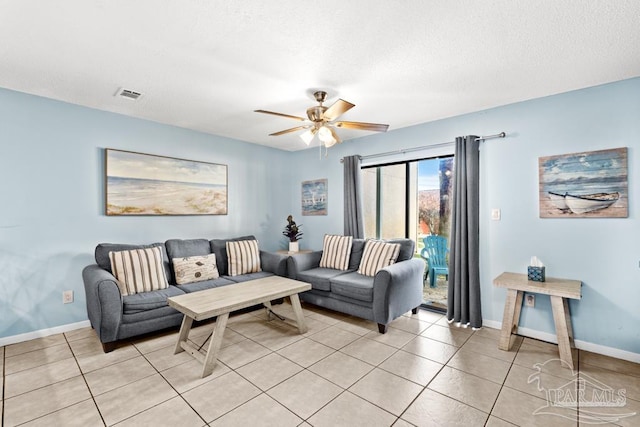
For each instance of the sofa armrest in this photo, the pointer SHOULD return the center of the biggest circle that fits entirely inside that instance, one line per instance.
(397, 289)
(302, 262)
(274, 263)
(104, 302)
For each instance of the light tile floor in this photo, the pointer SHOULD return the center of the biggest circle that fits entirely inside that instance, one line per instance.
(340, 373)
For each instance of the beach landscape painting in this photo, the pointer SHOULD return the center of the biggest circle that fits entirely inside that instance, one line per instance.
(314, 197)
(145, 184)
(592, 184)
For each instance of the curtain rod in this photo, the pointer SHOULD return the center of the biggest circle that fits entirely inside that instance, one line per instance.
(442, 144)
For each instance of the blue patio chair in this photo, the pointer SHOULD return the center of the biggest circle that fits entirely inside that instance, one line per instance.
(435, 252)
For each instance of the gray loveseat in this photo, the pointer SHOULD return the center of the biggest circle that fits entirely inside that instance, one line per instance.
(393, 291)
(116, 317)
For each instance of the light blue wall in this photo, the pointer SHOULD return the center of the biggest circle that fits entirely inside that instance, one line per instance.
(51, 198)
(603, 253)
(52, 192)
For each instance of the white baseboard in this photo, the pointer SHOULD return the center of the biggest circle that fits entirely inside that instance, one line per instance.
(582, 345)
(43, 333)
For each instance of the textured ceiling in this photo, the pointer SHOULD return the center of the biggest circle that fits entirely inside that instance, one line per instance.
(206, 65)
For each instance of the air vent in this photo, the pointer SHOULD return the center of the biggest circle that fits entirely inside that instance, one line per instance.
(128, 94)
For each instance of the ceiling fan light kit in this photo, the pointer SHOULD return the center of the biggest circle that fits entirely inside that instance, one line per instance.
(307, 136)
(321, 121)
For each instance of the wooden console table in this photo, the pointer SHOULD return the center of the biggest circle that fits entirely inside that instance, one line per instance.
(559, 291)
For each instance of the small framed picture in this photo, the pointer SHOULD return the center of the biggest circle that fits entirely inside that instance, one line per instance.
(314, 197)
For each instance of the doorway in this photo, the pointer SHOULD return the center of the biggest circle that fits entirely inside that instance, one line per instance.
(411, 199)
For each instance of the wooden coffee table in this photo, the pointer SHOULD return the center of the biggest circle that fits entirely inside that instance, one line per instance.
(221, 301)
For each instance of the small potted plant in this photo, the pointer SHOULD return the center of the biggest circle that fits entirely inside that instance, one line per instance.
(293, 233)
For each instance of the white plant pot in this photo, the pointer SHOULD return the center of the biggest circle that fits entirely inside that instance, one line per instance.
(293, 247)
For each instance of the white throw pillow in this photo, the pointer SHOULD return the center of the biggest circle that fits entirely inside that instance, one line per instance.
(336, 251)
(139, 270)
(244, 257)
(377, 255)
(195, 269)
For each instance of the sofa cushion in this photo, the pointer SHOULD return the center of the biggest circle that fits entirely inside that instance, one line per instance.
(219, 247)
(336, 251)
(206, 284)
(407, 248)
(148, 300)
(353, 285)
(103, 249)
(320, 278)
(139, 270)
(179, 248)
(244, 257)
(357, 248)
(195, 268)
(377, 255)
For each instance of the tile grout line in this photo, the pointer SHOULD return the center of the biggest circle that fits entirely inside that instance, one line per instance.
(172, 387)
(313, 373)
(230, 370)
(39, 388)
(430, 381)
(502, 385)
(93, 399)
(271, 351)
(345, 390)
(501, 388)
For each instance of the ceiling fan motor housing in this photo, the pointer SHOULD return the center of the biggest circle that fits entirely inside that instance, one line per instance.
(316, 113)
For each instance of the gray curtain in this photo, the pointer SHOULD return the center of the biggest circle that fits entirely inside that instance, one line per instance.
(464, 256)
(353, 218)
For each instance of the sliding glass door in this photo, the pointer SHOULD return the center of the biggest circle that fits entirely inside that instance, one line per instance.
(411, 199)
(384, 201)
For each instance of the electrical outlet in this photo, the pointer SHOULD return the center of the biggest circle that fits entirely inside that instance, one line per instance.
(530, 300)
(67, 297)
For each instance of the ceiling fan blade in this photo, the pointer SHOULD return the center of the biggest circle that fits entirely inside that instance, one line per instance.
(302, 119)
(337, 109)
(376, 127)
(282, 132)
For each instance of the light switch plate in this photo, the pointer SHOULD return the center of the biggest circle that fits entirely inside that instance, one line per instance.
(495, 214)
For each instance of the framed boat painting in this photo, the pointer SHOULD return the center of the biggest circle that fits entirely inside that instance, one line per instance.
(145, 184)
(314, 197)
(592, 184)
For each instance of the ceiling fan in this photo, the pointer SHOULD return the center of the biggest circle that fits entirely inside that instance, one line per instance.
(321, 120)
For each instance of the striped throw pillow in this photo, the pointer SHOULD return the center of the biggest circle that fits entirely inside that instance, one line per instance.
(195, 269)
(336, 251)
(377, 255)
(139, 270)
(244, 257)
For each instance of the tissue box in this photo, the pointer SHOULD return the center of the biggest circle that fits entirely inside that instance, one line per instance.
(535, 274)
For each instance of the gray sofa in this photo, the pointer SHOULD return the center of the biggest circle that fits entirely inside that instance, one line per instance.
(115, 317)
(393, 291)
